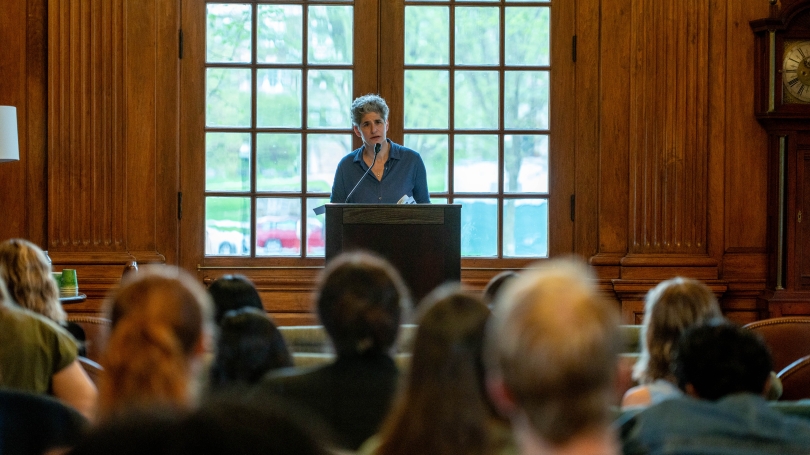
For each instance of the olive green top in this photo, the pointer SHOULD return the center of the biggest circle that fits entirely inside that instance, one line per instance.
(32, 349)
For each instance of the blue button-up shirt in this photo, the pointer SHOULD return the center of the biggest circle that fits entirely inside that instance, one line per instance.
(404, 175)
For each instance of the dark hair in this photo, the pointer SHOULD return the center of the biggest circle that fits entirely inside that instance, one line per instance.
(496, 283)
(720, 358)
(249, 346)
(227, 424)
(443, 407)
(240, 424)
(131, 433)
(360, 301)
(232, 292)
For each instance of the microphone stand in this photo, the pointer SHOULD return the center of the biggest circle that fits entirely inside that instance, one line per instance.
(376, 151)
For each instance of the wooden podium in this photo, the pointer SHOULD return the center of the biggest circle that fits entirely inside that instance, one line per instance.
(423, 241)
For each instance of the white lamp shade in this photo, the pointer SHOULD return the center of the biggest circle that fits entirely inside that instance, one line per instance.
(9, 146)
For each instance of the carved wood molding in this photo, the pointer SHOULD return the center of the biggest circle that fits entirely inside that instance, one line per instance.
(86, 118)
(669, 81)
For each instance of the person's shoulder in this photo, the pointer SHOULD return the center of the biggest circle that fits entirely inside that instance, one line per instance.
(350, 157)
(353, 155)
(26, 317)
(636, 396)
(405, 151)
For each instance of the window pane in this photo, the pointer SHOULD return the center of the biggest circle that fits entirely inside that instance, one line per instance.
(316, 228)
(477, 36)
(434, 151)
(527, 36)
(329, 98)
(278, 98)
(330, 34)
(324, 151)
(427, 35)
(227, 101)
(476, 100)
(228, 33)
(278, 226)
(278, 162)
(227, 226)
(525, 226)
(525, 164)
(475, 167)
(479, 227)
(426, 99)
(526, 100)
(438, 200)
(280, 34)
(227, 161)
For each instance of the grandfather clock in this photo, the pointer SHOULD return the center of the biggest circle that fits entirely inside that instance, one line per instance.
(782, 85)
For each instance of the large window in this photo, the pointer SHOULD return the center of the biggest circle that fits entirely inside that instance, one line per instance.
(469, 85)
(476, 84)
(278, 80)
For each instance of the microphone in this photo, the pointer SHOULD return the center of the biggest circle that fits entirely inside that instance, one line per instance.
(376, 151)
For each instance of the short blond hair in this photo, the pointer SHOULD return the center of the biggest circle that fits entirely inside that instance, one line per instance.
(554, 342)
(669, 309)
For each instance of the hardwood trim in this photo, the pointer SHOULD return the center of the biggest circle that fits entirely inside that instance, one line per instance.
(35, 148)
(389, 62)
(565, 147)
(192, 141)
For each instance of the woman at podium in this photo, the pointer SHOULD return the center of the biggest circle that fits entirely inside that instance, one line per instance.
(381, 171)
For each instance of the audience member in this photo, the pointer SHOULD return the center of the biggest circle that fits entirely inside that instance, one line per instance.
(724, 370)
(39, 356)
(443, 408)
(226, 425)
(30, 282)
(360, 302)
(239, 425)
(551, 358)
(36, 424)
(249, 345)
(669, 309)
(141, 431)
(495, 285)
(232, 292)
(160, 327)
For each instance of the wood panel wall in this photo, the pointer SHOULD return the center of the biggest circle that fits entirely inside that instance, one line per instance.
(670, 162)
(681, 158)
(100, 148)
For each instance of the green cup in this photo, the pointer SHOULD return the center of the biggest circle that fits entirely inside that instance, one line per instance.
(70, 284)
(57, 276)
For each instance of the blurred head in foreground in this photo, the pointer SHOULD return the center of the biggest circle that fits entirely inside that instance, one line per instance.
(360, 302)
(720, 358)
(443, 408)
(161, 326)
(551, 356)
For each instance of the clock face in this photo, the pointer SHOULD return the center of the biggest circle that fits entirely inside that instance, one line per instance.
(796, 72)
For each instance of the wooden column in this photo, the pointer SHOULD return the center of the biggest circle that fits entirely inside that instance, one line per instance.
(112, 143)
(667, 152)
